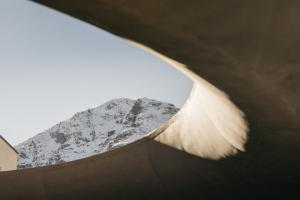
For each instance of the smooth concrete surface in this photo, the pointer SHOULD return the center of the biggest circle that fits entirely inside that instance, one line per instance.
(249, 50)
(208, 125)
(8, 156)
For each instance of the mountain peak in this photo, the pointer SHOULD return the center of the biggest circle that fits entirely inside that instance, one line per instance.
(96, 130)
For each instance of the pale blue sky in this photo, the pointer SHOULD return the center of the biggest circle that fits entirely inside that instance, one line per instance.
(52, 66)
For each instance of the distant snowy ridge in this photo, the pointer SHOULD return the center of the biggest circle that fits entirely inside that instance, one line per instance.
(111, 125)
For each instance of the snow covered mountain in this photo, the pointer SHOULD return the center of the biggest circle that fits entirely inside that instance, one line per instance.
(111, 125)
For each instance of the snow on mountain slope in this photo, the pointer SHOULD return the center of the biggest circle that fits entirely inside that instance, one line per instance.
(111, 125)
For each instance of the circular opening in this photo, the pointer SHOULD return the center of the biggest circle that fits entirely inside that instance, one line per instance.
(70, 90)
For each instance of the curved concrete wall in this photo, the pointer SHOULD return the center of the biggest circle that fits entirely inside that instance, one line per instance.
(248, 49)
(209, 125)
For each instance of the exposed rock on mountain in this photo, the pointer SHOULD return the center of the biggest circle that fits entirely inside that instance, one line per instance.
(111, 125)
